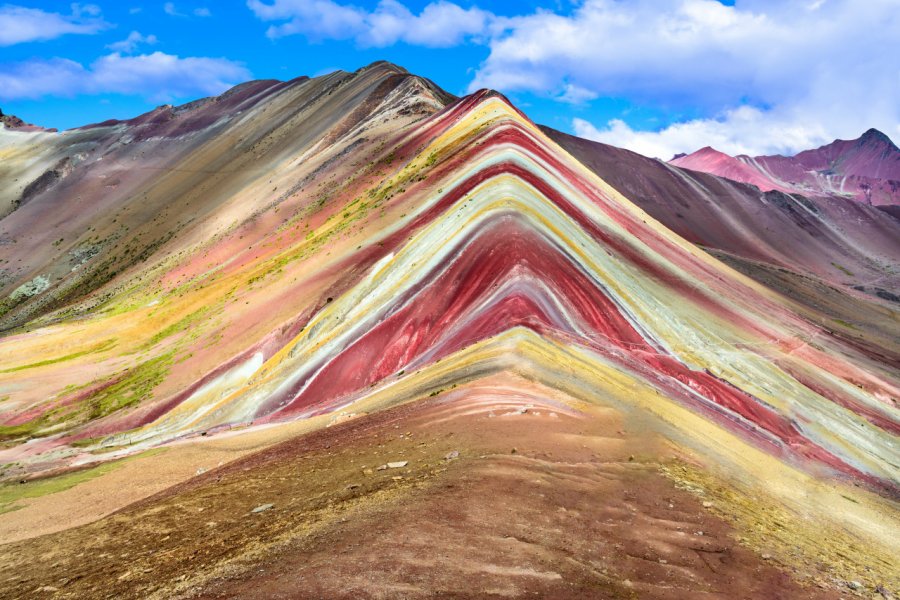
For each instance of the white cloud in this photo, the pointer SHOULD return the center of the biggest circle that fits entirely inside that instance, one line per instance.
(165, 74)
(744, 130)
(131, 43)
(19, 24)
(36, 78)
(440, 24)
(79, 9)
(762, 75)
(170, 9)
(157, 76)
(573, 94)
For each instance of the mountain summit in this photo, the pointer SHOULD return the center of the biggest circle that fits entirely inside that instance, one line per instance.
(873, 136)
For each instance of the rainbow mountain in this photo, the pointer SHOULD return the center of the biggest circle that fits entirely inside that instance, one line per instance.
(297, 259)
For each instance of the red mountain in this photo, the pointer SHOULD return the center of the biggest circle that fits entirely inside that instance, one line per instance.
(866, 169)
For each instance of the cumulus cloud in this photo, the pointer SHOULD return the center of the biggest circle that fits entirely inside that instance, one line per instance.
(439, 24)
(131, 43)
(760, 76)
(744, 130)
(19, 24)
(764, 75)
(37, 78)
(158, 76)
(573, 94)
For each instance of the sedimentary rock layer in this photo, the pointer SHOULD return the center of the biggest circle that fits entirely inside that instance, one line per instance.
(390, 255)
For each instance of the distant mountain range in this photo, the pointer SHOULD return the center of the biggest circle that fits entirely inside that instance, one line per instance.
(866, 169)
(833, 237)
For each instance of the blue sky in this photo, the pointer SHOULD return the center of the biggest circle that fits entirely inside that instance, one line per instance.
(657, 76)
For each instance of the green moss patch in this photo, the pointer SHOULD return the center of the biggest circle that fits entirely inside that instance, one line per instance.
(135, 386)
(178, 326)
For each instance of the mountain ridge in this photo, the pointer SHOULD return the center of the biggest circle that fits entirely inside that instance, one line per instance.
(866, 168)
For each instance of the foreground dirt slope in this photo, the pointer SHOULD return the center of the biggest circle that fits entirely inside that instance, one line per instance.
(508, 490)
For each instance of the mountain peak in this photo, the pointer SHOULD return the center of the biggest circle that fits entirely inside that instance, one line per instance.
(383, 64)
(710, 153)
(874, 136)
(710, 160)
(704, 153)
(14, 122)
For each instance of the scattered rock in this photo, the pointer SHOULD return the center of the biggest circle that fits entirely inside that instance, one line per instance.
(382, 467)
(352, 486)
(855, 586)
(707, 504)
(398, 464)
(766, 556)
(31, 288)
(201, 471)
(884, 593)
(340, 418)
(262, 508)
(452, 455)
(513, 451)
(522, 410)
(368, 471)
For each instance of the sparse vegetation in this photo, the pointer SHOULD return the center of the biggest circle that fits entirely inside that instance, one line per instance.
(842, 269)
(50, 361)
(133, 387)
